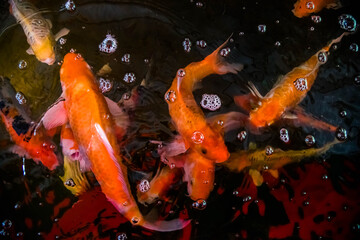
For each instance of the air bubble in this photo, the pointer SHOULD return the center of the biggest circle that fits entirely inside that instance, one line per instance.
(187, 45)
(322, 57)
(7, 224)
(224, 52)
(269, 150)
(70, 5)
(70, 182)
(220, 122)
(311, 29)
(343, 113)
(301, 84)
(170, 96)
(108, 45)
(135, 220)
(241, 33)
(20, 97)
(22, 64)
(181, 73)
(242, 135)
(199, 4)
(354, 47)
(129, 77)
(144, 186)
(284, 135)
(316, 19)
(277, 44)
(199, 204)
(62, 41)
(341, 134)
(357, 80)
(146, 60)
(126, 58)
(211, 102)
(310, 140)
(310, 5)
(347, 22)
(172, 165)
(201, 43)
(247, 198)
(122, 236)
(324, 177)
(125, 204)
(262, 28)
(197, 137)
(105, 85)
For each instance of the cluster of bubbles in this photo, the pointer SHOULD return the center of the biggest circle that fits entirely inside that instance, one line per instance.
(70, 182)
(262, 28)
(122, 236)
(277, 44)
(126, 58)
(22, 64)
(201, 44)
(144, 186)
(170, 96)
(347, 22)
(357, 80)
(341, 134)
(354, 47)
(20, 97)
(316, 19)
(310, 5)
(105, 85)
(129, 77)
(284, 135)
(301, 84)
(62, 41)
(322, 57)
(269, 150)
(70, 5)
(225, 51)
(211, 102)
(108, 45)
(242, 135)
(187, 45)
(199, 204)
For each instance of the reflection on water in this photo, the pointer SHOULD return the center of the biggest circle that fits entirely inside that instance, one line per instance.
(147, 42)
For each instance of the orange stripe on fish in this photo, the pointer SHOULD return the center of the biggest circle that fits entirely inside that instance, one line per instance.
(29, 143)
(188, 118)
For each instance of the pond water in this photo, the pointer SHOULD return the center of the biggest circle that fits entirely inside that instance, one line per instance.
(317, 198)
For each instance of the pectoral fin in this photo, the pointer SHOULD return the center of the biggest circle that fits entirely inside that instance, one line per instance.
(30, 51)
(256, 177)
(335, 5)
(55, 116)
(61, 33)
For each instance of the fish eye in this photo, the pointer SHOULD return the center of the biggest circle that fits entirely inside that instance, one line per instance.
(204, 151)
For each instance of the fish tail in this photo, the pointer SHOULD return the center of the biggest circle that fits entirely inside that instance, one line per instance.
(219, 64)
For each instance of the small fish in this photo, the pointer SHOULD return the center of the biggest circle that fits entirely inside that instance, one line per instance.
(256, 161)
(29, 143)
(303, 8)
(92, 124)
(188, 118)
(286, 94)
(160, 185)
(37, 30)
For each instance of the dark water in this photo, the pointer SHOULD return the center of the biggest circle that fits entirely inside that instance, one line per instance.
(323, 190)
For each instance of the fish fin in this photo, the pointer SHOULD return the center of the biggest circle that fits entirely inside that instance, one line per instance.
(230, 121)
(335, 5)
(20, 151)
(247, 102)
(274, 173)
(254, 90)
(49, 22)
(163, 226)
(61, 33)
(104, 70)
(120, 117)
(256, 177)
(55, 116)
(289, 115)
(220, 66)
(30, 51)
(252, 146)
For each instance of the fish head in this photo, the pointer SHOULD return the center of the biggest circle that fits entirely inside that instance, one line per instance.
(73, 67)
(303, 8)
(45, 51)
(213, 147)
(45, 153)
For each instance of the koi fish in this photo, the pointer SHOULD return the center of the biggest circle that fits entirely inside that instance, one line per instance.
(287, 93)
(303, 8)
(92, 124)
(159, 185)
(37, 30)
(188, 118)
(29, 143)
(256, 161)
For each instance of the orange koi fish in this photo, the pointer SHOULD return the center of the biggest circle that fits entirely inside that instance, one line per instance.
(29, 143)
(303, 8)
(159, 185)
(257, 161)
(188, 118)
(37, 30)
(92, 124)
(287, 93)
